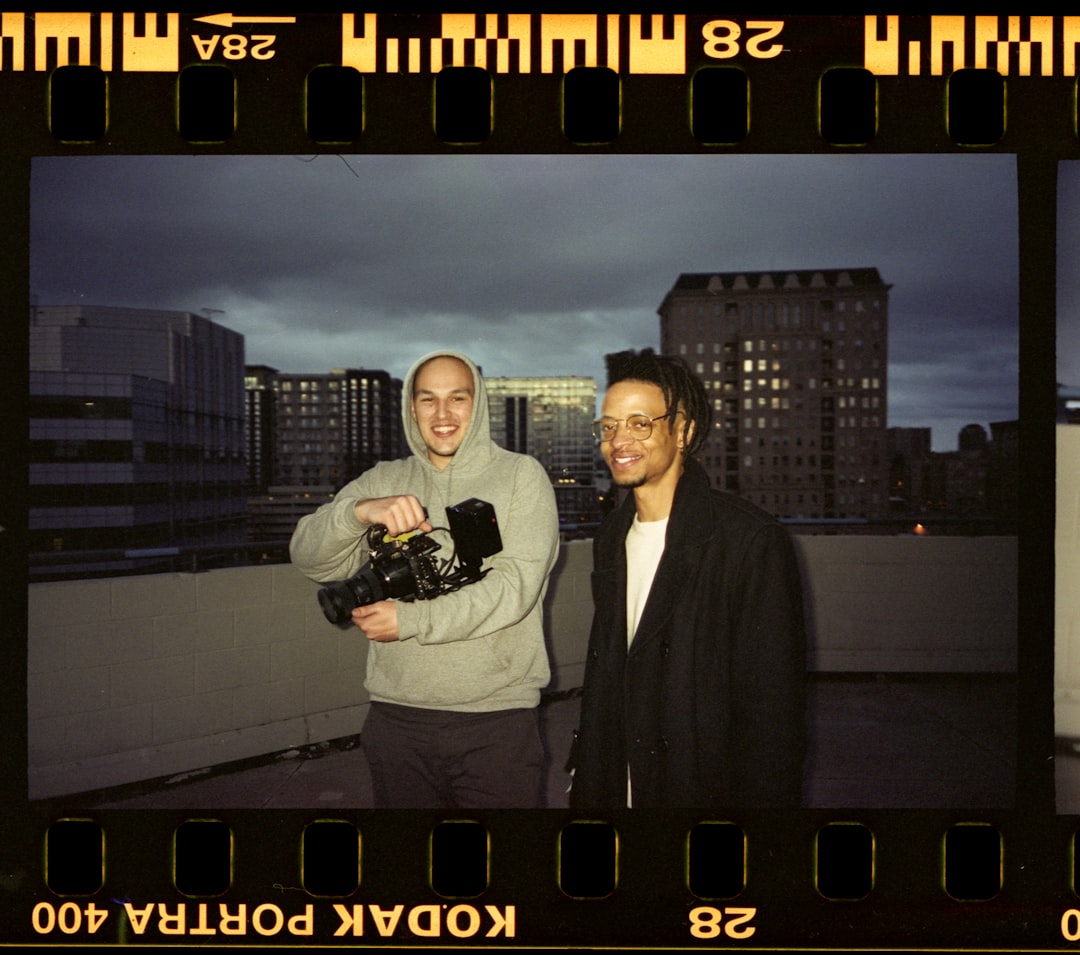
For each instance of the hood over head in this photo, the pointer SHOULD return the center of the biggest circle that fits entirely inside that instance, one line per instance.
(475, 449)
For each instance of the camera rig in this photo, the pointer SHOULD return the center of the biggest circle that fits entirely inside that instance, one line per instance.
(404, 568)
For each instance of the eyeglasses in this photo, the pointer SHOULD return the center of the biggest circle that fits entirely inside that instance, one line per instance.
(638, 426)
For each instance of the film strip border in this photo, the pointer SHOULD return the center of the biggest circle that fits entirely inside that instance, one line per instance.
(848, 880)
(532, 82)
(97, 83)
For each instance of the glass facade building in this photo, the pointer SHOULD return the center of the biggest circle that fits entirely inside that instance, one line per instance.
(136, 434)
(551, 419)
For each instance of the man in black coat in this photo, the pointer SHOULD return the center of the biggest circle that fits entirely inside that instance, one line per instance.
(694, 692)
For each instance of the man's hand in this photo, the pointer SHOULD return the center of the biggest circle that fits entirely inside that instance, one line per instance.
(398, 514)
(378, 621)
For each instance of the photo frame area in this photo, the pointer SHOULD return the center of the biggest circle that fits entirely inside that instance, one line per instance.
(323, 193)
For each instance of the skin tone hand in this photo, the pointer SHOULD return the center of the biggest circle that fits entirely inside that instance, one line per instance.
(378, 621)
(398, 514)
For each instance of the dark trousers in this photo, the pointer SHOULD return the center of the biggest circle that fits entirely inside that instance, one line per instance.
(433, 759)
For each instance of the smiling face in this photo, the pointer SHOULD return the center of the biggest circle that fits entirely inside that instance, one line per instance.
(650, 465)
(441, 406)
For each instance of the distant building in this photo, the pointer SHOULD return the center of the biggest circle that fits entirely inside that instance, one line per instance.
(310, 434)
(909, 457)
(261, 411)
(136, 436)
(796, 363)
(972, 437)
(326, 428)
(551, 419)
(980, 478)
(1003, 470)
(958, 481)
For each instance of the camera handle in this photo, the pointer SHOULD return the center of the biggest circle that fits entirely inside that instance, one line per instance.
(380, 530)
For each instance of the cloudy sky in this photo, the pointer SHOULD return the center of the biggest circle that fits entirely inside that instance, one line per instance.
(538, 265)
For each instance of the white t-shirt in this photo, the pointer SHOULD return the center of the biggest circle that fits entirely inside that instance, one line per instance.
(644, 548)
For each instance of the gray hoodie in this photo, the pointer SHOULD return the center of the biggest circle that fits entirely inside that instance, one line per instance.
(480, 648)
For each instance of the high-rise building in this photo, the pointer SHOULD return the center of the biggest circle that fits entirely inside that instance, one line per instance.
(909, 469)
(261, 425)
(329, 428)
(796, 365)
(551, 419)
(979, 478)
(1003, 470)
(136, 437)
(310, 434)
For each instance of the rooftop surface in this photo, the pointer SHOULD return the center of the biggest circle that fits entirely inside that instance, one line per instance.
(879, 741)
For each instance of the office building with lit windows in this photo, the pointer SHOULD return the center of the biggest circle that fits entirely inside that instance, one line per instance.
(260, 408)
(310, 434)
(796, 364)
(136, 437)
(551, 419)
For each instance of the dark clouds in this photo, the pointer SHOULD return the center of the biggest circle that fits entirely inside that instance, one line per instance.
(538, 264)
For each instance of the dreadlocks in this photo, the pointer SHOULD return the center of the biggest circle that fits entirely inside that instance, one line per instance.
(683, 390)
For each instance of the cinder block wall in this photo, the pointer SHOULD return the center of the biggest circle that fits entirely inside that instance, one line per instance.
(159, 675)
(1067, 584)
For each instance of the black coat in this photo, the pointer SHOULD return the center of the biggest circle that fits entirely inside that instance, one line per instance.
(708, 705)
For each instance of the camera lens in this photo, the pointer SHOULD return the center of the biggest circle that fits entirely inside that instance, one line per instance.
(336, 602)
(390, 575)
(339, 599)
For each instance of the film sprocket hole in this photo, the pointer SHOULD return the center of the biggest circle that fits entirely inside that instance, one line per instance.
(403, 568)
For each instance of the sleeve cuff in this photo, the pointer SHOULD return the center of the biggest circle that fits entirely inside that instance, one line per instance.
(407, 619)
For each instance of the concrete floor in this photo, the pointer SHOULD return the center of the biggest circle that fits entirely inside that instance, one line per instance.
(888, 742)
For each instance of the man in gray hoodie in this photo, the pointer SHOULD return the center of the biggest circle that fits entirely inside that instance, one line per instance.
(454, 681)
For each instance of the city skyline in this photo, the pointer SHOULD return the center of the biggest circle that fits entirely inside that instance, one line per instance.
(538, 265)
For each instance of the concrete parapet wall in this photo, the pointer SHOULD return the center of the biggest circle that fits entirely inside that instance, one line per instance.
(910, 604)
(142, 677)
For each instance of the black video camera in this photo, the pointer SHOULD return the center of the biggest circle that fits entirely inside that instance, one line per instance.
(404, 568)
